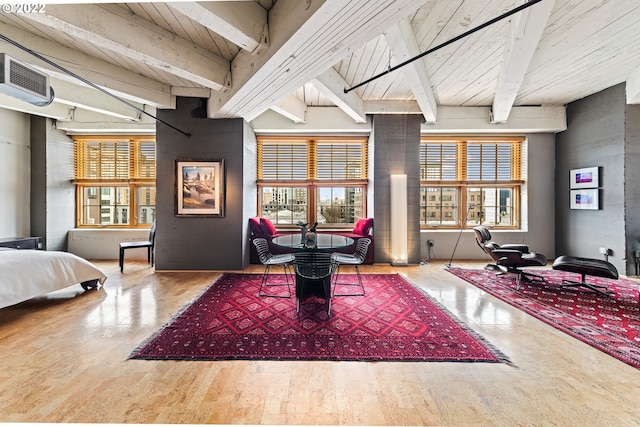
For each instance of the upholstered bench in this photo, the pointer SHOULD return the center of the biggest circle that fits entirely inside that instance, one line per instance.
(585, 267)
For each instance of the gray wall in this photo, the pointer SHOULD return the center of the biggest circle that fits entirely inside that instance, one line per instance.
(52, 192)
(15, 174)
(602, 131)
(396, 142)
(200, 243)
(631, 179)
(538, 213)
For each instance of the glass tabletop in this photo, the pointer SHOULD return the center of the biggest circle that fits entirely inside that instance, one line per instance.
(324, 241)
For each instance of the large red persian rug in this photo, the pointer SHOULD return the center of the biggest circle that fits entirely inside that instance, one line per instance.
(394, 321)
(608, 323)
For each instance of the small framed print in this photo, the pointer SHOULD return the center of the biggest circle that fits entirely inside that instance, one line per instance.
(585, 199)
(200, 188)
(585, 178)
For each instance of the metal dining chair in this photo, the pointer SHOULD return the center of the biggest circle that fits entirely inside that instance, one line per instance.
(268, 260)
(313, 266)
(355, 259)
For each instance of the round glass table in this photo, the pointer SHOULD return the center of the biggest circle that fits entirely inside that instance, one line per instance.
(324, 242)
(313, 263)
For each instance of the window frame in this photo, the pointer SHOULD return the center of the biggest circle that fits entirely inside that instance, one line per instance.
(140, 175)
(462, 184)
(311, 182)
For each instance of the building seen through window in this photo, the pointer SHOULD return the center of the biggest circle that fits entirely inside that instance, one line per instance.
(312, 180)
(115, 181)
(479, 179)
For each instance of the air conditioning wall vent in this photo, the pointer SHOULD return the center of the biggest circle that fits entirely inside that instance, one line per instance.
(24, 82)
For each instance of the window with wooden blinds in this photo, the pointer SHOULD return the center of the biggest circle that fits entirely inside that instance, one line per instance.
(477, 179)
(115, 180)
(312, 179)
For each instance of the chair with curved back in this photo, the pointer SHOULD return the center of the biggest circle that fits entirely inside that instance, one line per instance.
(313, 266)
(268, 260)
(509, 258)
(149, 244)
(355, 259)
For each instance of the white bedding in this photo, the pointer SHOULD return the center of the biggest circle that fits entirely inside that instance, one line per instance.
(26, 274)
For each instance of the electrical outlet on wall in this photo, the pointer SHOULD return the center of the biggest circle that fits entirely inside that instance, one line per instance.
(605, 251)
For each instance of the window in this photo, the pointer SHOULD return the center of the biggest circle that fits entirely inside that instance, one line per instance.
(312, 180)
(115, 181)
(479, 178)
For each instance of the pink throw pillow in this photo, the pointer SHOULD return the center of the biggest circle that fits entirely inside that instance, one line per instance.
(363, 226)
(268, 227)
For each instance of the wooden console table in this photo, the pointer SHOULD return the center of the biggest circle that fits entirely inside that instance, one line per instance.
(20, 242)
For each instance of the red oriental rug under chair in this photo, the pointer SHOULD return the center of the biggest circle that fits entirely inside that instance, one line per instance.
(393, 321)
(608, 323)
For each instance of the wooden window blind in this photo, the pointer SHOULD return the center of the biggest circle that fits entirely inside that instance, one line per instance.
(325, 160)
(469, 160)
(109, 160)
(115, 181)
(477, 179)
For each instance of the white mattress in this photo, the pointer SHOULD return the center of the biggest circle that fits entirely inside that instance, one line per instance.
(25, 274)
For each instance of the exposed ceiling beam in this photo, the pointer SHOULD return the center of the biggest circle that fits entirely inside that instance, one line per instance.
(403, 44)
(391, 107)
(90, 99)
(319, 120)
(290, 107)
(306, 39)
(331, 84)
(55, 110)
(99, 72)
(526, 30)
(243, 24)
(550, 119)
(450, 120)
(191, 92)
(84, 122)
(110, 27)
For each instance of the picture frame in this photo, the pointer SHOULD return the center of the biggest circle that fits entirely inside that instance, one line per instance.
(585, 178)
(200, 188)
(585, 199)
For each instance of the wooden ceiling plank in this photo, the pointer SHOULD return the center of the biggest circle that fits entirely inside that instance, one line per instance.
(109, 27)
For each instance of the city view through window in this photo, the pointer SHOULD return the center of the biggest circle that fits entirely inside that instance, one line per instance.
(334, 206)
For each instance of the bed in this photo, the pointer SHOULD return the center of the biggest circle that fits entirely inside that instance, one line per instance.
(27, 273)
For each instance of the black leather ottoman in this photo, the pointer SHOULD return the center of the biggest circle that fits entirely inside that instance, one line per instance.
(585, 267)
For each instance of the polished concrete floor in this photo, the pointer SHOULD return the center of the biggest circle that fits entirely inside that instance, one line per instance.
(63, 358)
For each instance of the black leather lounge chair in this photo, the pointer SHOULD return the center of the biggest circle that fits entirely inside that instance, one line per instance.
(510, 258)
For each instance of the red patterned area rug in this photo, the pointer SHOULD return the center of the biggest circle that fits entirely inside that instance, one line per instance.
(393, 322)
(610, 324)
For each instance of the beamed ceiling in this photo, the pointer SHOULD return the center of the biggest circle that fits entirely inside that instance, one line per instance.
(288, 62)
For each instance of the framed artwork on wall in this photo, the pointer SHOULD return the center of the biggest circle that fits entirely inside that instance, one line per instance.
(200, 188)
(585, 199)
(585, 178)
